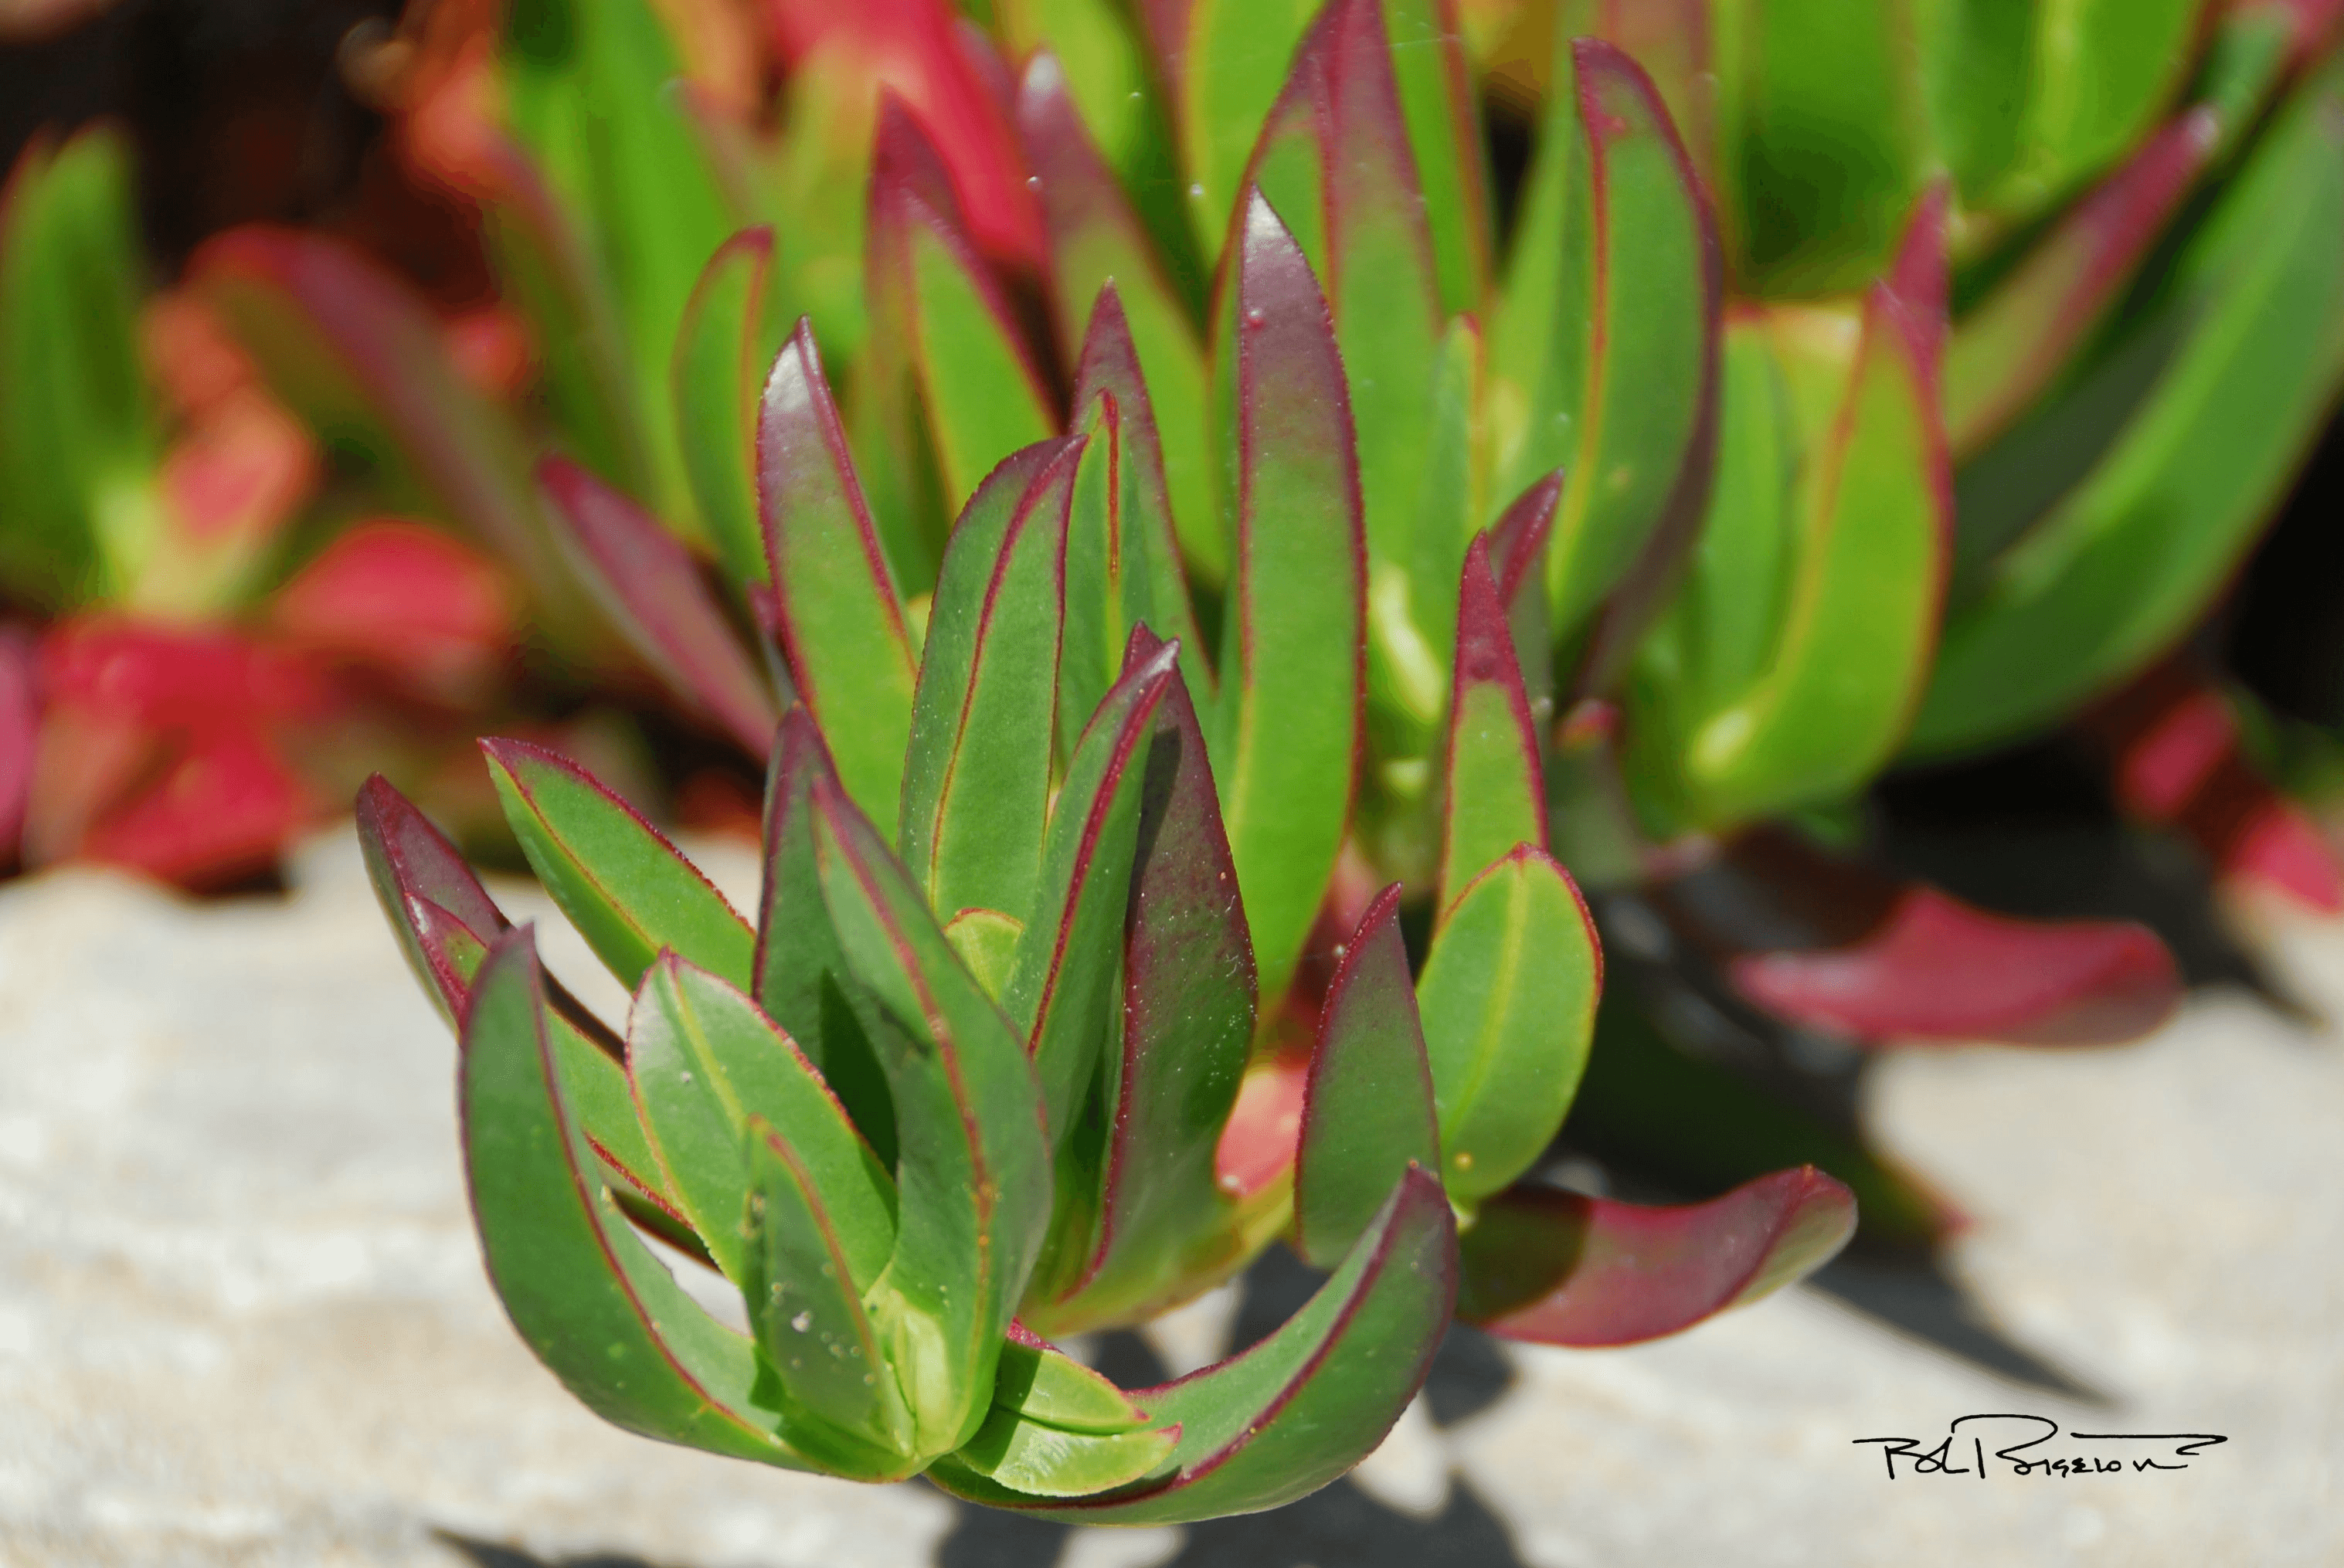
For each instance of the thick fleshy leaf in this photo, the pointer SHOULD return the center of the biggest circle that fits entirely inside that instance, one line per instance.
(1412, 603)
(800, 971)
(1823, 138)
(805, 1294)
(2125, 534)
(1038, 1460)
(2010, 346)
(1605, 355)
(1043, 1384)
(840, 621)
(973, 1166)
(1293, 651)
(445, 922)
(1873, 541)
(1494, 791)
(702, 1060)
(977, 775)
(1367, 1108)
(950, 382)
(621, 882)
(1187, 1023)
(2029, 100)
(1062, 991)
(1304, 1405)
(1508, 997)
(1232, 59)
(722, 353)
(1099, 251)
(595, 1306)
(1334, 161)
(1938, 969)
(1123, 557)
(1444, 129)
(1556, 1268)
(1517, 553)
(651, 588)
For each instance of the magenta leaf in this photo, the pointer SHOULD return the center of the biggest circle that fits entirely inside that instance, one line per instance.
(1558, 1268)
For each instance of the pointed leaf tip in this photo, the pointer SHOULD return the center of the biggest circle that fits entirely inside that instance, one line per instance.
(1558, 1268)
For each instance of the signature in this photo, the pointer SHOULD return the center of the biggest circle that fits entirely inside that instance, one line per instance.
(1968, 1452)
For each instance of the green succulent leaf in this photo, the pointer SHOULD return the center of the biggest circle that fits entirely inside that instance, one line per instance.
(986, 941)
(801, 979)
(702, 1060)
(621, 882)
(1334, 161)
(1494, 791)
(1508, 1001)
(805, 1291)
(976, 775)
(1409, 639)
(727, 337)
(1444, 129)
(445, 922)
(1367, 1108)
(1097, 247)
(1164, 1223)
(1043, 1384)
(1061, 992)
(1036, 1460)
(973, 1166)
(651, 588)
(588, 1298)
(1605, 353)
(1123, 556)
(2027, 100)
(1233, 57)
(1518, 555)
(1873, 528)
(80, 436)
(841, 623)
(1304, 1405)
(2191, 424)
(949, 379)
(2012, 345)
(1290, 720)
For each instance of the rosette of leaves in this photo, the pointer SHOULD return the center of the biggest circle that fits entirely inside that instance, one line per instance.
(999, 1057)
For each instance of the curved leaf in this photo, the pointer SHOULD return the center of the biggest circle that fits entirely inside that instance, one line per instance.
(1038, 1460)
(651, 586)
(949, 379)
(1292, 665)
(1874, 526)
(1605, 353)
(840, 623)
(1508, 998)
(2235, 365)
(595, 1306)
(722, 352)
(976, 774)
(1164, 1220)
(1043, 1384)
(1444, 129)
(621, 882)
(701, 1061)
(1555, 1268)
(1303, 1406)
(1232, 58)
(973, 1166)
(1099, 250)
(1494, 794)
(1367, 1107)
(1938, 969)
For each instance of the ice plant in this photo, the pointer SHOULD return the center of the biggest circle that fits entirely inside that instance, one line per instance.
(1012, 1047)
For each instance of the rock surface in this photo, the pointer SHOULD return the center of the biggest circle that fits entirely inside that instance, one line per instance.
(242, 1318)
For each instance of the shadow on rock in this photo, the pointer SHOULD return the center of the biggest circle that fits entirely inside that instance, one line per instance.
(489, 1555)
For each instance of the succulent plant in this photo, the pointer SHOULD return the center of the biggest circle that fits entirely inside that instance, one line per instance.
(1013, 1048)
(1837, 418)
